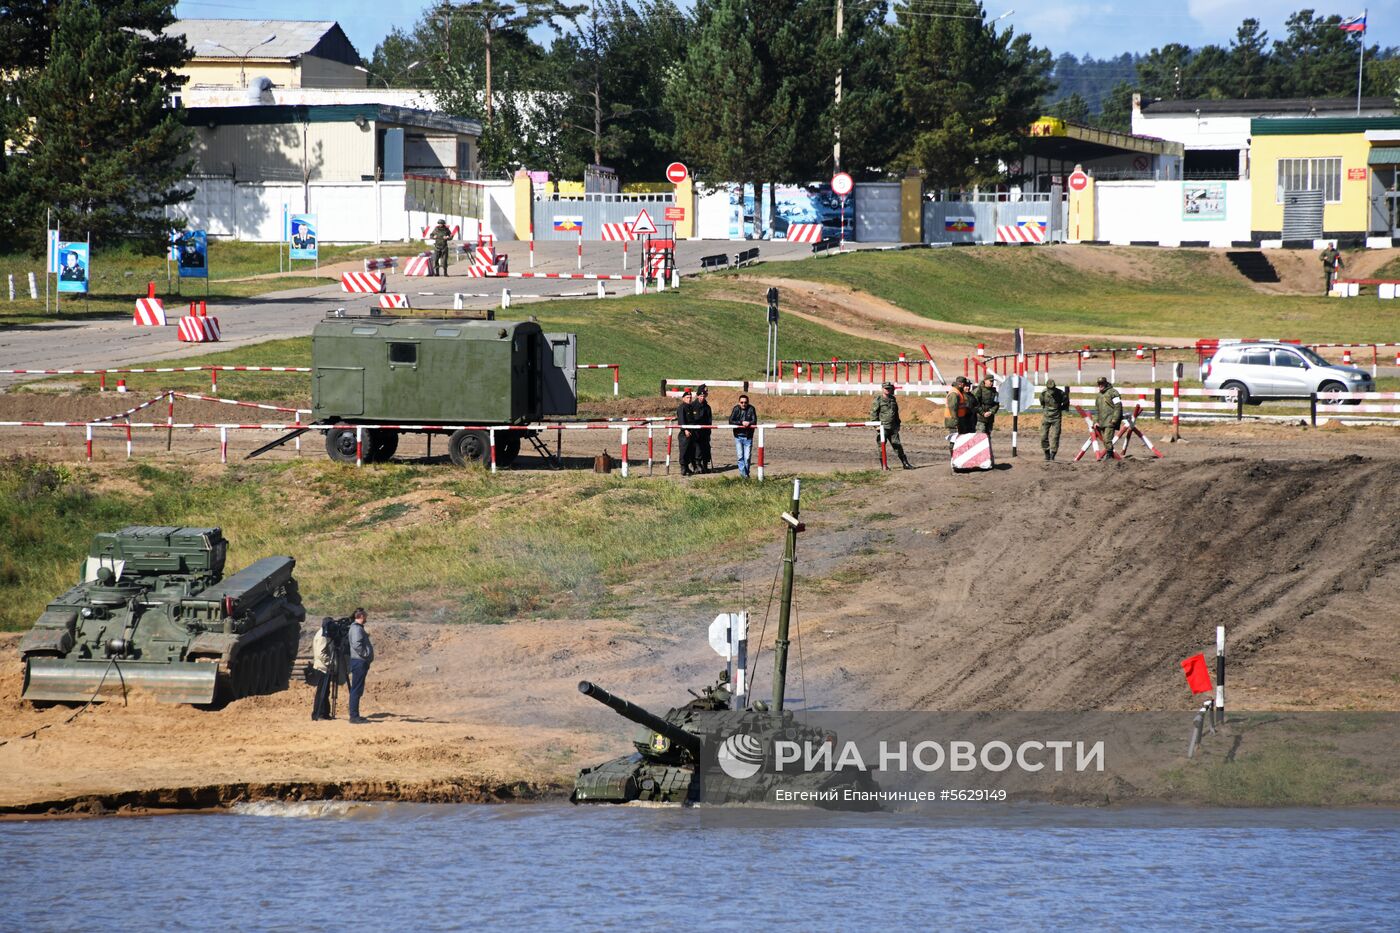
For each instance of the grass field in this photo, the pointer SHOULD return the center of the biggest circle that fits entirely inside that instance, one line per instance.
(1184, 293)
(670, 335)
(120, 275)
(448, 545)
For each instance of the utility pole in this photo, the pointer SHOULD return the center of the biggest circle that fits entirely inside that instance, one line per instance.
(840, 29)
(597, 87)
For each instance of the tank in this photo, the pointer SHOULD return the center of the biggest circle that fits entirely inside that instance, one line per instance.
(674, 751)
(154, 614)
(668, 765)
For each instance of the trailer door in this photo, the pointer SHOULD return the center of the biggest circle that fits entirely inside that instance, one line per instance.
(560, 371)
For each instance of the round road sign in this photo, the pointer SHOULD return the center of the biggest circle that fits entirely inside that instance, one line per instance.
(1078, 181)
(676, 173)
(842, 184)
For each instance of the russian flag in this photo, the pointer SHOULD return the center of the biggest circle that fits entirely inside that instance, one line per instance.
(1354, 23)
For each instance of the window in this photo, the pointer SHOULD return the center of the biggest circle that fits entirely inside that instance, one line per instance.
(1256, 358)
(1288, 358)
(403, 353)
(1227, 356)
(1323, 175)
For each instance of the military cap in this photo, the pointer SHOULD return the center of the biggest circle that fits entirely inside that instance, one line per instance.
(888, 385)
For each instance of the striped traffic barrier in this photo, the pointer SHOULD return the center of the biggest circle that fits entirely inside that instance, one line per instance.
(383, 264)
(972, 452)
(560, 275)
(149, 312)
(804, 233)
(199, 328)
(393, 300)
(418, 266)
(362, 282)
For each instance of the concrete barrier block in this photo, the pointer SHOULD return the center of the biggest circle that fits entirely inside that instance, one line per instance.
(1380, 242)
(1387, 291)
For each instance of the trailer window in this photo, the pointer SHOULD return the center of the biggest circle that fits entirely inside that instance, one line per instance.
(404, 353)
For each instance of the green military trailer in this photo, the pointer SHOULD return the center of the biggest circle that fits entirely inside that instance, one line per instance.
(401, 375)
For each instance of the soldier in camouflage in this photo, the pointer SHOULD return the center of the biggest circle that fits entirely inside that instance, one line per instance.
(1108, 412)
(442, 239)
(885, 409)
(987, 404)
(1053, 403)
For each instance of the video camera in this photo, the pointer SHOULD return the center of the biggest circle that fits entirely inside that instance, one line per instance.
(340, 632)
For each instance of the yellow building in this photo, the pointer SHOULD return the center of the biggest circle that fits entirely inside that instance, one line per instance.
(289, 53)
(1348, 164)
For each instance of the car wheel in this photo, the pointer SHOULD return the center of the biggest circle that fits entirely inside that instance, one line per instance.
(1242, 389)
(340, 445)
(1338, 387)
(468, 447)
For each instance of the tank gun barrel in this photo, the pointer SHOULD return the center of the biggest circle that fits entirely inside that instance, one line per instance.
(641, 717)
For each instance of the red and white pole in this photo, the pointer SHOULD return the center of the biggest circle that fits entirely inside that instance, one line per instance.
(223, 445)
(532, 243)
(359, 445)
(758, 458)
(1220, 673)
(128, 438)
(1176, 401)
(89, 443)
(650, 450)
(884, 455)
(617, 374)
(668, 450)
(213, 380)
(624, 452)
(580, 248)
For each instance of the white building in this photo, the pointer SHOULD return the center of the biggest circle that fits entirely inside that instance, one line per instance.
(1216, 135)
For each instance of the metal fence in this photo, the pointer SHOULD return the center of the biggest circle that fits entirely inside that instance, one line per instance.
(443, 196)
(977, 221)
(593, 210)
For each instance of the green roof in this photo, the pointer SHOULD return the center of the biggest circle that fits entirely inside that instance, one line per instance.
(1384, 157)
(1320, 126)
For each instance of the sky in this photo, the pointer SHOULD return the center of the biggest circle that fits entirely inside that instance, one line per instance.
(1097, 27)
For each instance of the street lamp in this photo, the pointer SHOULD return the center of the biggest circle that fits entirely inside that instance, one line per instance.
(242, 59)
(388, 82)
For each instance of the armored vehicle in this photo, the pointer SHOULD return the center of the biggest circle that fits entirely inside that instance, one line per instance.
(155, 614)
(675, 750)
(414, 375)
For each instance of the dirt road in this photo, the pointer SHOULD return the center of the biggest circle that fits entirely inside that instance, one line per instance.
(1038, 586)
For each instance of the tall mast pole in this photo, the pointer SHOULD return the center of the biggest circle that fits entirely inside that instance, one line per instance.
(840, 29)
(780, 646)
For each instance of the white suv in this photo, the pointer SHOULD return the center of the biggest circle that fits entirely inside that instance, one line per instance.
(1260, 370)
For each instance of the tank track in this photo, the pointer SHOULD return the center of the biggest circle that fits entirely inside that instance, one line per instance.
(262, 668)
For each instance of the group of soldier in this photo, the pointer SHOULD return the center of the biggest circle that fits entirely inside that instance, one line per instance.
(969, 409)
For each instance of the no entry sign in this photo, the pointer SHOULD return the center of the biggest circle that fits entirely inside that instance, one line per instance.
(842, 184)
(1078, 181)
(676, 173)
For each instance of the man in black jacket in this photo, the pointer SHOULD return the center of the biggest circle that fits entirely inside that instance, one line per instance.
(743, 416)
(702, 414)
(687, 442)
(361, 657)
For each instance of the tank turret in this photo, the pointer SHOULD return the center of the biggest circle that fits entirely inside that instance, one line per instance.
(677, 740)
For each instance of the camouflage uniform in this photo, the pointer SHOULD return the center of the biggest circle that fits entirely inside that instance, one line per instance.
(1053, 403)
(1108, 411)
(885, 409)
(442, 239)
(959, 409)
(1331, 265)
(987, 406)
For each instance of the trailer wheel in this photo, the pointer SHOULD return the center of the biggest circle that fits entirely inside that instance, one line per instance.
(468, 447)
(382, 444)
(507, 449)
(340, 445)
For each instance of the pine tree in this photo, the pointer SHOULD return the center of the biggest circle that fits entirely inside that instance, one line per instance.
(970, 92)
(99, 141)
(1249, 62)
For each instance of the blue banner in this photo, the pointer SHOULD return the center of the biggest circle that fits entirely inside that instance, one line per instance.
(73, 267)
(304, 237)
(192, 254)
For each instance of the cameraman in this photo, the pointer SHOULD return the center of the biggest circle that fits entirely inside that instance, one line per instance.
(327, 649)
(361, 657)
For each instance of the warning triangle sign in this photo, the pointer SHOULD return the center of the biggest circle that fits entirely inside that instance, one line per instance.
(643, 223)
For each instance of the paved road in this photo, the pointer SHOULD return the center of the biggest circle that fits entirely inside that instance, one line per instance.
(106, 344)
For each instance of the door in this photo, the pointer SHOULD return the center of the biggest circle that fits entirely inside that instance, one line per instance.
(559, 371)
(1290, 373)
(339, 391)
(1257, 371)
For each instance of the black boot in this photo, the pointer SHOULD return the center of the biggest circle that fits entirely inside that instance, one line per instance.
(904, 462)
(1049, 456)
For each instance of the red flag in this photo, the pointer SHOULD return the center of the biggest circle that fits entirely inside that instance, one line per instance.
(1197, 673)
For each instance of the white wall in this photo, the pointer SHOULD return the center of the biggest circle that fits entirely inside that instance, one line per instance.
(1151, 211)
(347, 211)
(712, 213)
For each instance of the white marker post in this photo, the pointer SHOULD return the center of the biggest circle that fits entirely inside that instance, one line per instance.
(1220, 672)
(729, 636)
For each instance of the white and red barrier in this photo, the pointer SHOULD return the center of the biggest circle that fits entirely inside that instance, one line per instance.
(1021, 233)
(418, 266)
(150, 312)
(370, 283)
(199, 328)
(804, 233)
(972, 452)
(381, 265)
(560, 275)
(456, 230)
(393, 300)
(617, 233)
(616, 373)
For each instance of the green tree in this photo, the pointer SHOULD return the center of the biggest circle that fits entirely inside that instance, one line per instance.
(873, 128)
(970, 92)
(99, 141)
(1163, 74)
(1249, 62)
(1073, 108)
(1317, 58)
(1117, 112)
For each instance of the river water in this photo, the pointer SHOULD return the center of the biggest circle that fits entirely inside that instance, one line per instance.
(550, 866)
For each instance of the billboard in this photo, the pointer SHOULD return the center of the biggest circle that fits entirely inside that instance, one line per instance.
(192, 254)
(304, 237)
(1203, 200)
(73, 267)
(792, 204)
